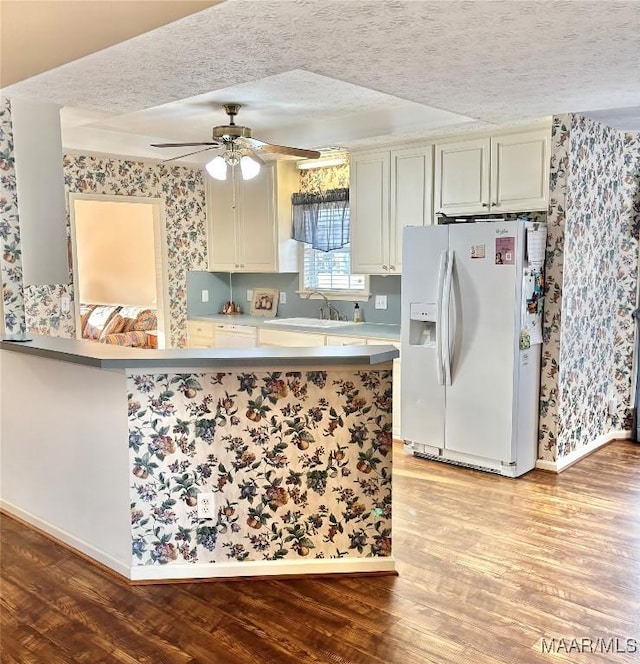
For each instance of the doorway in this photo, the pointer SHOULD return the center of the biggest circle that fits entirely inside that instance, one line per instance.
(119, 254)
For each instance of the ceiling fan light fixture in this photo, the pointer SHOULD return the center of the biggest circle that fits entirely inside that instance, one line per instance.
(249, 167)
(217, 168)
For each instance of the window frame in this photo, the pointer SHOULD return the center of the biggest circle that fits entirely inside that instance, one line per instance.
(347, 295)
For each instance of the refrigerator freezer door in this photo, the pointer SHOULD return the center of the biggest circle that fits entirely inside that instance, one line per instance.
(487, 269)
(424, 265)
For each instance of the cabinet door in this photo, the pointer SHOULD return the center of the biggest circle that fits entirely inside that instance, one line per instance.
(520, 172)
(257, 233)
(289, 339)
(338, 340)
(235, 336)
(462, 177)
(223, 222)
(200, 334)
(369, 209)
(411, 197)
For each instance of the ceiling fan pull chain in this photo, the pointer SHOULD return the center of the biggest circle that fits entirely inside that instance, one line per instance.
(233, 193)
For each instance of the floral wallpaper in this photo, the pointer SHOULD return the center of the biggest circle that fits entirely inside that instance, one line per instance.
(185, 215)
(627, 270)
(592, 238)
(591, 276)
(299, 463)
(559, 166)
(10, 257)
(185, 218)
(316, 180)
(43, 314)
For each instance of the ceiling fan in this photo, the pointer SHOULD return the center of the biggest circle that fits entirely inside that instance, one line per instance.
(240, 148)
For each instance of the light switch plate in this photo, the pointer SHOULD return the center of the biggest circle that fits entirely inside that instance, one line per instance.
(381, 301)
(65, 304)
(283, 297)
(249, 295)
(205, 295)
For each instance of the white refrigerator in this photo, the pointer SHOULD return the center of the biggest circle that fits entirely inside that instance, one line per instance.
(472, 296)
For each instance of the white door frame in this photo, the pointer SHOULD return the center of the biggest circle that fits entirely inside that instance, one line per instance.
(161, 256)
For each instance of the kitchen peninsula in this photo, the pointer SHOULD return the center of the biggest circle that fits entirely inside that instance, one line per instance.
(111, 450)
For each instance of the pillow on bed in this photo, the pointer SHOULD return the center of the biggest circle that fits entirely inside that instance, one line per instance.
(113, 326)
(137, 339)
(97, 320)
(85, 312)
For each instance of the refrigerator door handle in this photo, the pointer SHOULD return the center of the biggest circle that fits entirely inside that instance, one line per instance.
(446, 306)
(453, 328)
(440, 319)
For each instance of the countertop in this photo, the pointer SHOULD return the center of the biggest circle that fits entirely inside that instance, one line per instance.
(368, 330)
(107, 356)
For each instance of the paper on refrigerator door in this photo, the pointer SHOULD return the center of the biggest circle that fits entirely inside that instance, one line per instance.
(536, 244)
(532, 302)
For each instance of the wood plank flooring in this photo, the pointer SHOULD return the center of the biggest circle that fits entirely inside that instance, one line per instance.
(488, 567)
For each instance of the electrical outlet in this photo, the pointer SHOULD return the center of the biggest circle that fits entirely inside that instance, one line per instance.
(283, 297)
(613, 406)
(206, 506)
(381, 301)
(205, 295)
(249, 296)
(65, 304)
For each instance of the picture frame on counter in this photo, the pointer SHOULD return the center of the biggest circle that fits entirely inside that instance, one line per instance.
(265, 302)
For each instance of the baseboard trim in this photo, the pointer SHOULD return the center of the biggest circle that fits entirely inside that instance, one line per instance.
(262, 569)
(67, 540)
(567, 461)
(142, 574)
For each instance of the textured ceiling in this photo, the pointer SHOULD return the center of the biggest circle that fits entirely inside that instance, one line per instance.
(499, 62)
(48, 33)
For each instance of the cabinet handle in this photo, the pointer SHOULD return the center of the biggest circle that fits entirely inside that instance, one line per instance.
(384, 267)
(392, 267)
(495, 204)
(485, 205)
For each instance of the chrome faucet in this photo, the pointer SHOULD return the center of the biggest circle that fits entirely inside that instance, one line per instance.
(332, 312)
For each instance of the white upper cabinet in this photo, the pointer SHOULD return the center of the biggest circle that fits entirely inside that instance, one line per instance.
(389, 190)
(520, 171)
(369, 212)
(462, 177)
(411, 196)
(251, 230)
(508, 173)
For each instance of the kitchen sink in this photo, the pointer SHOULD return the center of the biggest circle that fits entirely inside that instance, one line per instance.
(322, 323)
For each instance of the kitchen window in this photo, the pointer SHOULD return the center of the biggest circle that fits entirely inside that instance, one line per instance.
(321, 223)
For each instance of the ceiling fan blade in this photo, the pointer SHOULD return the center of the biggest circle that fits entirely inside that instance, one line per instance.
(213, 147)
(249, 148)
(185, 145)
(281, 149)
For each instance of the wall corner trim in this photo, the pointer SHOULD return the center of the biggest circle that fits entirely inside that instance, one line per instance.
(565, 462)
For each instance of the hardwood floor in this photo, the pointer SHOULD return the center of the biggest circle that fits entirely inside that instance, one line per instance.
(488, 567)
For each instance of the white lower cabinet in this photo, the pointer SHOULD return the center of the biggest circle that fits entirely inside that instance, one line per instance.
(235, 336)
(200, 334)
(289, 339)
(396, 382)
(337, 340)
